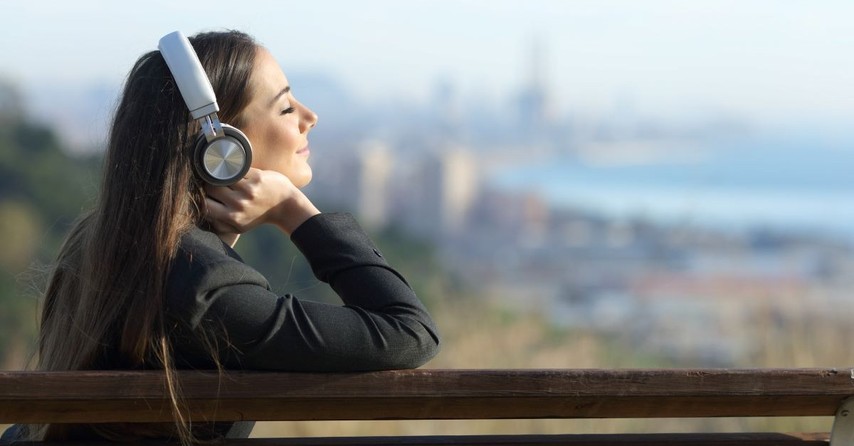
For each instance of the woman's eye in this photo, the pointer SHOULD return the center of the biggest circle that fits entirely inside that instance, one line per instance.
(288, 110)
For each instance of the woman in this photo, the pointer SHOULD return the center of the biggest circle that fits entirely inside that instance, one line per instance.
(148, 279)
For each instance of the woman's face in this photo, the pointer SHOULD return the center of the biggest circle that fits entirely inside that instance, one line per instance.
(276, 124)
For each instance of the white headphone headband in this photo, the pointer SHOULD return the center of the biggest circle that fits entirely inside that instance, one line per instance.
(189, 74)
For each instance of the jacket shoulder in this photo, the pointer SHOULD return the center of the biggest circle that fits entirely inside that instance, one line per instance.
(202, 265)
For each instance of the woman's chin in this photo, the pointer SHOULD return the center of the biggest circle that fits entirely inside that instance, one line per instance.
(302, 179)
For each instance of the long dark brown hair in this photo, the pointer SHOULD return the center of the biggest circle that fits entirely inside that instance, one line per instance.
(104, 305)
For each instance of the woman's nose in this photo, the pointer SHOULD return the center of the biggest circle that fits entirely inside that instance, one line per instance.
(309, 118)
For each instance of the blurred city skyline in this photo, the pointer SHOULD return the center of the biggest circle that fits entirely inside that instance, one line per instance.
(746, 104)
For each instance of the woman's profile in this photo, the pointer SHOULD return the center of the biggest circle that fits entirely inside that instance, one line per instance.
(148, 278)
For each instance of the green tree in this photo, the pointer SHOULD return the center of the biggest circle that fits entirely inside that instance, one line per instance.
(42, 190)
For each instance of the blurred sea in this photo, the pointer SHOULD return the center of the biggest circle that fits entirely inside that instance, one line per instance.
(796, 184)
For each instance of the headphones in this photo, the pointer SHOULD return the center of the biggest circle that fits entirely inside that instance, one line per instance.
(222, 153)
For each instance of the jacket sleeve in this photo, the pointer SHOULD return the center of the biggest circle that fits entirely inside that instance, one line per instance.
(229, 309)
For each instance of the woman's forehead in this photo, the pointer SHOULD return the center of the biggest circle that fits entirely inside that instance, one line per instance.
(268, 80)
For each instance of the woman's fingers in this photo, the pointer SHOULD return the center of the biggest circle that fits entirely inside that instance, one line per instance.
(260, 197)
(245, 204)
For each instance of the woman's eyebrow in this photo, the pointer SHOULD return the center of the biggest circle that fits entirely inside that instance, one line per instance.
(284, 91)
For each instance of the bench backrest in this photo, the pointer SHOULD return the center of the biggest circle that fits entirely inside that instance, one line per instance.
(123, 396)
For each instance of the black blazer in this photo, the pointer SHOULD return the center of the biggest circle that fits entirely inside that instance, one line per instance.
(214, 299)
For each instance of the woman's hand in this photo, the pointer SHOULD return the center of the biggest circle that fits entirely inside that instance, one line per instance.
(262, 196)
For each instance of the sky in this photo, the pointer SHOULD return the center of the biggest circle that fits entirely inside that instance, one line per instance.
(774, 62)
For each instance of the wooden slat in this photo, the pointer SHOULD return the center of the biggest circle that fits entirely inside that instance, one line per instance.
(709, 439)
(703, 439)
(425, 394)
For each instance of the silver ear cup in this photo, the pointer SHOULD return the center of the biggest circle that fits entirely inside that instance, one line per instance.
(225, 159)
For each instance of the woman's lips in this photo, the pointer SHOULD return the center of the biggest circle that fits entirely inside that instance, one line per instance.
(304, 151)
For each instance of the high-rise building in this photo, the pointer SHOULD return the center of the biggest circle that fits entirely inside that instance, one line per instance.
(441, 193)
(358, 180)
(533, 104)
(374, 171)
(458, 189)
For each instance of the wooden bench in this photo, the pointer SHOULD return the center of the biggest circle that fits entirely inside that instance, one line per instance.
(118, 396)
